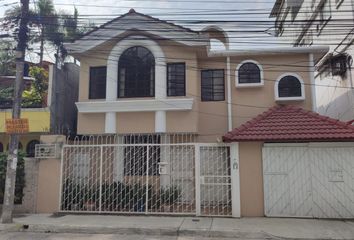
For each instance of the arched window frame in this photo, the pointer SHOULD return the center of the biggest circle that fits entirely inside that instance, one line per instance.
(240, 85)
(151, 82)
(28, 146)
(277, 98)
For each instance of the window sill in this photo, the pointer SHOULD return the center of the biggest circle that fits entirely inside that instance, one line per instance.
(249, 85)
(151, 105)
(280, 99)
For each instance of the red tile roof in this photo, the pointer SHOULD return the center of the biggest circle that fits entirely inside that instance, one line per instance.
(291, 124)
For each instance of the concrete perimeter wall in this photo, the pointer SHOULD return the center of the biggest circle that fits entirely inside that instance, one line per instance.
(49, 179)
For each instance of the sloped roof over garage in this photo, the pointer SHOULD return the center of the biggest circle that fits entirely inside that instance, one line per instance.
(291, 124)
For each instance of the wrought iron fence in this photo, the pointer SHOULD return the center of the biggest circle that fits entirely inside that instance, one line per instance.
(137, 173)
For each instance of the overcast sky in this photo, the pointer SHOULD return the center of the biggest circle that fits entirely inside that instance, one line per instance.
(253, 34)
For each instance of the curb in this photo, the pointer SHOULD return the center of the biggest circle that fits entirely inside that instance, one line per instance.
(236, 234)
(43, 228)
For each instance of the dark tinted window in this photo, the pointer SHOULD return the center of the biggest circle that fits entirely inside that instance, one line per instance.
(30, 149)
(98, 82)
(1, 147)
(289, 86)
(249, 73)
(136, 73)
(213, 87)
(176, 79)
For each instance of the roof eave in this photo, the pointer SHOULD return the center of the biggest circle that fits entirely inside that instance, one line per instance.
(291, 140)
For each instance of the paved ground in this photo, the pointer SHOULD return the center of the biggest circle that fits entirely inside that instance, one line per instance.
(244, 228)
(66, 236)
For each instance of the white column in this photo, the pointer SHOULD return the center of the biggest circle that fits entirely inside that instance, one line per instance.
(235, 180)
(111, 95)
(110, 123)
(160, 121)
(160, 94)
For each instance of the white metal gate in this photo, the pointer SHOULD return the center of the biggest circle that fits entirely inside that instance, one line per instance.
(309, 180)
(187, 178)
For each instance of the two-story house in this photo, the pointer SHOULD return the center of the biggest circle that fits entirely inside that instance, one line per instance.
(157, 102)
(323, 22)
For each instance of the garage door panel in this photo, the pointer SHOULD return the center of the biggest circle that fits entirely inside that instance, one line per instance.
(278, 203)
(286, 195)
(320, 181)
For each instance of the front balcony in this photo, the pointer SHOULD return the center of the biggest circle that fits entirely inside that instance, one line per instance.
(151, 105)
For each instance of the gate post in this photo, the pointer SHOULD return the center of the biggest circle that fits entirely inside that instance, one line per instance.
(197, 179)
(235, 180)
(101, 180)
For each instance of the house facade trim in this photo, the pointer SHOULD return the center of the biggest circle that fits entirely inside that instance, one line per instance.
(112, 78)
(151, 105)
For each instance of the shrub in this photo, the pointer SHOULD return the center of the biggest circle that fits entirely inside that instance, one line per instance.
(20, 177)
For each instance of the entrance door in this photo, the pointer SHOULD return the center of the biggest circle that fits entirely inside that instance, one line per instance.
(215, 181)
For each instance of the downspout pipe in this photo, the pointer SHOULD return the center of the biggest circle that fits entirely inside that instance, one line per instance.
(313, 82)
(229, 93)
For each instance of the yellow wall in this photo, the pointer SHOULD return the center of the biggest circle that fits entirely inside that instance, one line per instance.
(39, 120)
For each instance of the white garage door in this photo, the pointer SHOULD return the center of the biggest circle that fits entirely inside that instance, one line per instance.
(309, 180)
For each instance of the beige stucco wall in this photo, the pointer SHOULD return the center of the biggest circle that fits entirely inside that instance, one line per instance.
(49, 179)
(249, 102)
(207, 119)
(251, 179)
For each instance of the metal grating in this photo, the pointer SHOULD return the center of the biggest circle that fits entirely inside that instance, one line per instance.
(153, 177)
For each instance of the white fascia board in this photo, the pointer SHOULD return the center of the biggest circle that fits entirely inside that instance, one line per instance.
(269, 51)
(152, 105)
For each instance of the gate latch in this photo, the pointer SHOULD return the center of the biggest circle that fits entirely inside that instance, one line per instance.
(163, 168)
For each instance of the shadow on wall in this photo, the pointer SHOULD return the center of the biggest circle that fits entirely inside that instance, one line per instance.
(341, 107)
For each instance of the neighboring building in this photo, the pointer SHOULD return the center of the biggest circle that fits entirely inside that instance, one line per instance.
(323, 22)
(40, 114)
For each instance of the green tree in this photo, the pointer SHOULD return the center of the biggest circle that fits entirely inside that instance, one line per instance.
(48, 24)
(7, 59)
(45, 17)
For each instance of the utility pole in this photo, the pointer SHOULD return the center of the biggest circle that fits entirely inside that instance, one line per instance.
(9, 194)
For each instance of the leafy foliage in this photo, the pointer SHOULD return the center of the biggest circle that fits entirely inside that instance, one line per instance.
(47, 24)
(20, 177)
(6, 94)
(7, 59)
(31, 98)
(40, 76)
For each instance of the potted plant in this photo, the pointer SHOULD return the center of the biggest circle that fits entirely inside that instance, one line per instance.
(169, 196)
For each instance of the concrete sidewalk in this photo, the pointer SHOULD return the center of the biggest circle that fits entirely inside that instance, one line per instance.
(244, 228)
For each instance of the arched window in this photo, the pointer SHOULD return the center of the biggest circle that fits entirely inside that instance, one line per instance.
(136, 73)
(289, 87)
(31, 146)
(1, 147)
(249, 73)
